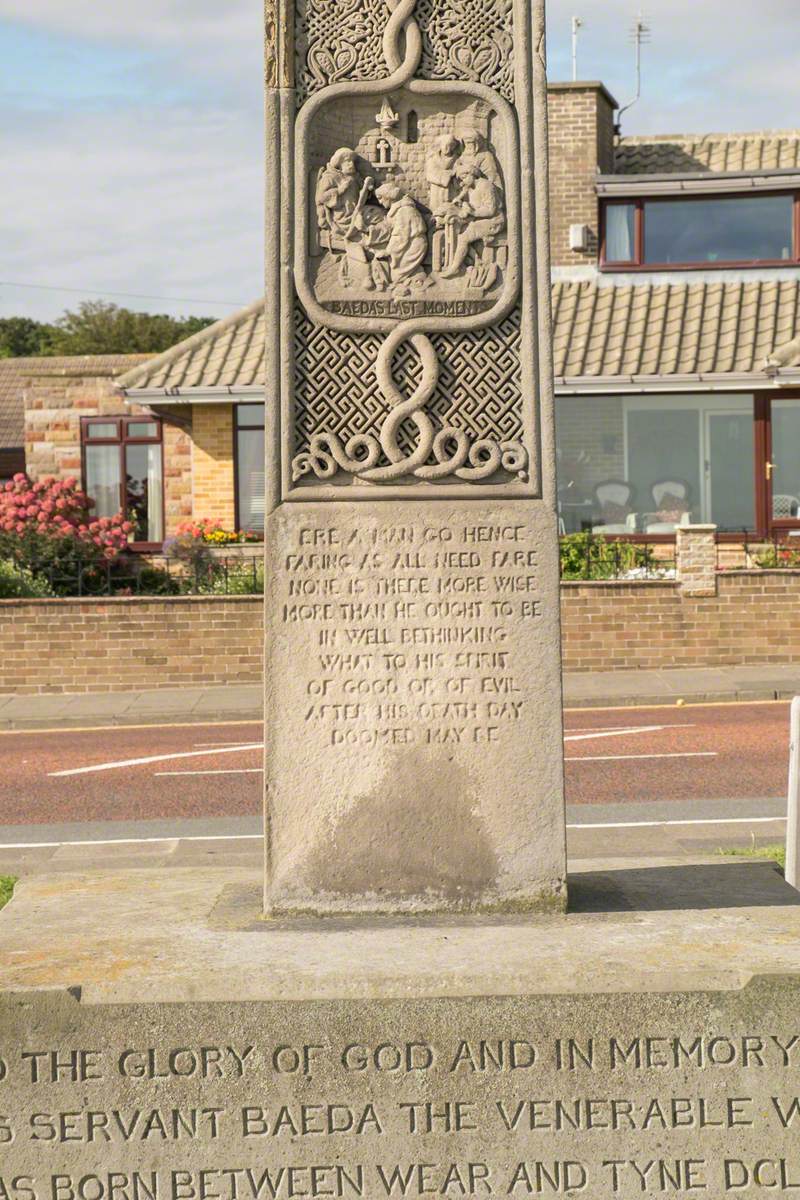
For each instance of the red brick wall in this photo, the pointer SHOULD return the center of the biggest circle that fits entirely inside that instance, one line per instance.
(126, 644)
(623, 626)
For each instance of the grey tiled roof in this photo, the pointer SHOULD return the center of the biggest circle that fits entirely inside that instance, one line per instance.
(668, 154)
(671, 328)
(15, 371)
(229, 353)
(637, 329)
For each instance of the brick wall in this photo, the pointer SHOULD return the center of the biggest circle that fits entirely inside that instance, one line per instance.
(126, 644)
(56, 400)
(581, 141)
(752, 620)
(212, 463)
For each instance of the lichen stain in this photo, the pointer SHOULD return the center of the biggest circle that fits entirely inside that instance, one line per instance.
(417, 834)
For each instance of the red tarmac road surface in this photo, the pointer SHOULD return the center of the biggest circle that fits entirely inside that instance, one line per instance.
(635, 755)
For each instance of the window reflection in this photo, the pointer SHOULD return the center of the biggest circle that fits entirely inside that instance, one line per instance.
(638, 464)
(732, 229)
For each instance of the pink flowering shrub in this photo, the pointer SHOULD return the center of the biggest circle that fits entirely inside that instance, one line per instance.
(48, 527)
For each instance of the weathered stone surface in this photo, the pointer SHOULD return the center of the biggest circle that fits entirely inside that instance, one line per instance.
(385, 1081)
(412, 643)
(413, 693)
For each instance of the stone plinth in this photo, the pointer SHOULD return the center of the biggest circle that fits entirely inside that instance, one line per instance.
(159, 1039)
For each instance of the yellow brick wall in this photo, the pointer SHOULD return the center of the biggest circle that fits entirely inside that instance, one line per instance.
(212, 463)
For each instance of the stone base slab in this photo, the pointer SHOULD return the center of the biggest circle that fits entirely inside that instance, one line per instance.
(160, 1041)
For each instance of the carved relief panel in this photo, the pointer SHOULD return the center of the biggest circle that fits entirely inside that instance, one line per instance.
(408, 243)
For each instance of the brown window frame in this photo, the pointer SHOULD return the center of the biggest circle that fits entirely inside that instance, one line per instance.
(764, 524)
(235, 431)
(637, 263)
(122, 440)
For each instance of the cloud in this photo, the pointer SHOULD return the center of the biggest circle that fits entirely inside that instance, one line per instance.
(152, 22)
(710, 65)
(133, 127)
(134, 203)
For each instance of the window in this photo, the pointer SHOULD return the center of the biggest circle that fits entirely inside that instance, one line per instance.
(784, 468)
(644, 464)
(701, 231)
(122, 472)
(250, 467)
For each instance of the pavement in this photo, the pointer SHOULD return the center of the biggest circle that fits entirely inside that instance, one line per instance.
(242, 702)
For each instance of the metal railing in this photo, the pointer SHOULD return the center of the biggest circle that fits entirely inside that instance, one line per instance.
(585, 556)
(155, 575)
(752, 553)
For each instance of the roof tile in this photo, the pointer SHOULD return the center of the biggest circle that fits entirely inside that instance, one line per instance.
(670, 154)
(626, 329)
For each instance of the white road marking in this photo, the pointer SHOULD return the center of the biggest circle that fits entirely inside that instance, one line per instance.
(210, 837)
(622, 757)
(250, 837)
(238, 771)
(582, 737)
(694, 821)
(138, 762)
(233, 747)
(628, 728)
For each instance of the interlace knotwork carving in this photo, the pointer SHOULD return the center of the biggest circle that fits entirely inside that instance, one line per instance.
(405, 441)
(468, 39)
(338, 40)
(477, 396)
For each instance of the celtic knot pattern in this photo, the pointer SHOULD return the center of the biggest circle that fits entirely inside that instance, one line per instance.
(464, 39)
(402, 440)
(336, 40)
(478, 390)
(468, 39)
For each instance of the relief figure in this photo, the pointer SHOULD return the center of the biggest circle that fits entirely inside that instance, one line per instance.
(476, 214)
(439, 171)
(348, 224)
(407, 247)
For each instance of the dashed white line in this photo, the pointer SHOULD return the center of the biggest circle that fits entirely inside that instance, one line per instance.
(138, 762)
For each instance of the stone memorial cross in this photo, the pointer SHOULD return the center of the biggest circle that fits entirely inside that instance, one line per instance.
(413, 691)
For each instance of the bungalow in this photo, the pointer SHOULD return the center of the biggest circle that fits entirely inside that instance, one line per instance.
(676, 308)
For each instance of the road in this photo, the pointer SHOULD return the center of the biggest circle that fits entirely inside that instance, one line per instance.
(624, 766)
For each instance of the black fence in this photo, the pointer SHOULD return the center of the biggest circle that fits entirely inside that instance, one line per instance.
(589, 557)
(155, 575)
(748, 552)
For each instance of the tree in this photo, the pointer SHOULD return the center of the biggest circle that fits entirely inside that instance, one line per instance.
(20, 336)
(100, 328)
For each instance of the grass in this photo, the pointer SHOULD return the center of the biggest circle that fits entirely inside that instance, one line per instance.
(754, 851)
(6, 888)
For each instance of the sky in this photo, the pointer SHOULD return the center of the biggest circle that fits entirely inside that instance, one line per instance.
(131, 131)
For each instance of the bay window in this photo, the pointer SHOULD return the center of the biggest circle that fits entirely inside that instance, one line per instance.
(123, 472)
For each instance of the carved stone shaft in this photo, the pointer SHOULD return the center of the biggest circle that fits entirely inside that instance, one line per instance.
(413, 703)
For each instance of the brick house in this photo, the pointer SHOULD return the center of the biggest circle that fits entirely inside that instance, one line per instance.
(76, 424)
(676, 307)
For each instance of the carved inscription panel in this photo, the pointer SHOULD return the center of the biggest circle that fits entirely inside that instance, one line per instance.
(596, 1097)
(412, 629)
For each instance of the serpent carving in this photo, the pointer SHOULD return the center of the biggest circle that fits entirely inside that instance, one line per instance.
(450, 446)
